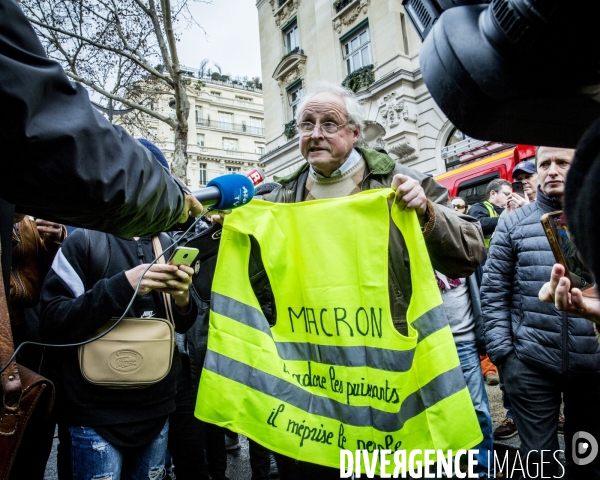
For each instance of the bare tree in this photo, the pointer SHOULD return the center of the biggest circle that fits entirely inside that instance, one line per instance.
(126, 50)
(202, 68)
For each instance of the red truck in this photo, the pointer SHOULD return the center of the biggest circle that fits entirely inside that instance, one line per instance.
(476, 163)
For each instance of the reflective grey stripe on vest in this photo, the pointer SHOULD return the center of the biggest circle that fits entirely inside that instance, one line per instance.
(441, 387)
(380, 358)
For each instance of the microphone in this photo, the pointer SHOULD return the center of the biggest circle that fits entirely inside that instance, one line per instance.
(257, 175)
(226, 192)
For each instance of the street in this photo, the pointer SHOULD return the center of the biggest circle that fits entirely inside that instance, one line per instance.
(238, 464)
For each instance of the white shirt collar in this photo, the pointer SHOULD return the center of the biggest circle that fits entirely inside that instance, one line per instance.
(352, 160)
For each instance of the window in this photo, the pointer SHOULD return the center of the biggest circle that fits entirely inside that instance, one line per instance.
(200, 139)
(226, 120)
(256, 126)
(404, 34)
(233, 170)
(453, 161)
(455, 136)
(199, 115)
(216, 94)
(202, 171)
(473, 191)
(357, 50)
(290, 37)
(259, 148)
(243, 99)
(294, 95)
(230, 144)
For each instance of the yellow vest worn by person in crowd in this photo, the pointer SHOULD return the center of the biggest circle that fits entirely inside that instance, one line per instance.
(492, 211)
(333, 373)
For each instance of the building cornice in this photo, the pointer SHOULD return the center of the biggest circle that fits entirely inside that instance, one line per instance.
(372, 91)
(279, 150)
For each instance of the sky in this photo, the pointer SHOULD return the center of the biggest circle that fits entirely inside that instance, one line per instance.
(231, 37)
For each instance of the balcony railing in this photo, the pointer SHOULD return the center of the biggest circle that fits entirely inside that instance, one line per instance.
(230, 127)
(235, 83)
(461, 147)
(339, 5)
(231, 101)
(220, 152)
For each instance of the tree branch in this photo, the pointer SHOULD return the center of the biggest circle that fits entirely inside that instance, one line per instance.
(125, 101)
(159, 36)
(141, 62)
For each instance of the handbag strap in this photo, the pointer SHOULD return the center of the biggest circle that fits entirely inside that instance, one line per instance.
(11, 381)
(158, 250)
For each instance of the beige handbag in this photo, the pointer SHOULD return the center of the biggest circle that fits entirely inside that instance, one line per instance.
(137, 353)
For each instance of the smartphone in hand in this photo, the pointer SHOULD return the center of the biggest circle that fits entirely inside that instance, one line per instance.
(183, 256)
(564, 250)
(517, 187)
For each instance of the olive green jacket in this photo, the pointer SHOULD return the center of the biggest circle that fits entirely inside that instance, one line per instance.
(454, 241)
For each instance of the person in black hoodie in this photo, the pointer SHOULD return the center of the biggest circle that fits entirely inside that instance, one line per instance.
(118, 432)
(124, 427)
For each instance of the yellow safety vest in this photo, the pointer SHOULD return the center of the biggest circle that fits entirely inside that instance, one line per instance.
(492, 211)
(333, 373)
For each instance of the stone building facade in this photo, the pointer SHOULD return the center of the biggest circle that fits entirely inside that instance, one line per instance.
(368, 42)
(226, 129)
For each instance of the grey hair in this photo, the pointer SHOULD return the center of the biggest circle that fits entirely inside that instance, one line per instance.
(354, 110)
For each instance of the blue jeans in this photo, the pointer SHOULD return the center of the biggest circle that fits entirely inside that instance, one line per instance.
(505, 399)
(94, 457)
(471, 368)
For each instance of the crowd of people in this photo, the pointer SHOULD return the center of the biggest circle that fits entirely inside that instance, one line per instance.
(509, 309)
(541, 356)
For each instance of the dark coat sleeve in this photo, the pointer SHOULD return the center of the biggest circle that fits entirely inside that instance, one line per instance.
(496, 294)
(184, 320)
(454, 241)
(65, 300)
(62, 160)
(488, 224)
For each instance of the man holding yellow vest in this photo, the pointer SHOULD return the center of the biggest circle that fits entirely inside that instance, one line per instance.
(330, 123)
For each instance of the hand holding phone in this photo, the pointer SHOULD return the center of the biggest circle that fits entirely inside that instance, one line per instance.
(585, 303)
(183, 256)
(565, 253)
(517, 187)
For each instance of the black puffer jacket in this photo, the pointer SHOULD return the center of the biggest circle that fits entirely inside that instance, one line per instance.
(519, 263)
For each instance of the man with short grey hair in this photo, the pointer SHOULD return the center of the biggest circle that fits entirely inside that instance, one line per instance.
(330, 122)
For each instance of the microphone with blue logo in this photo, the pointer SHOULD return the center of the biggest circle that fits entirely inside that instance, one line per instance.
(229, 191)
